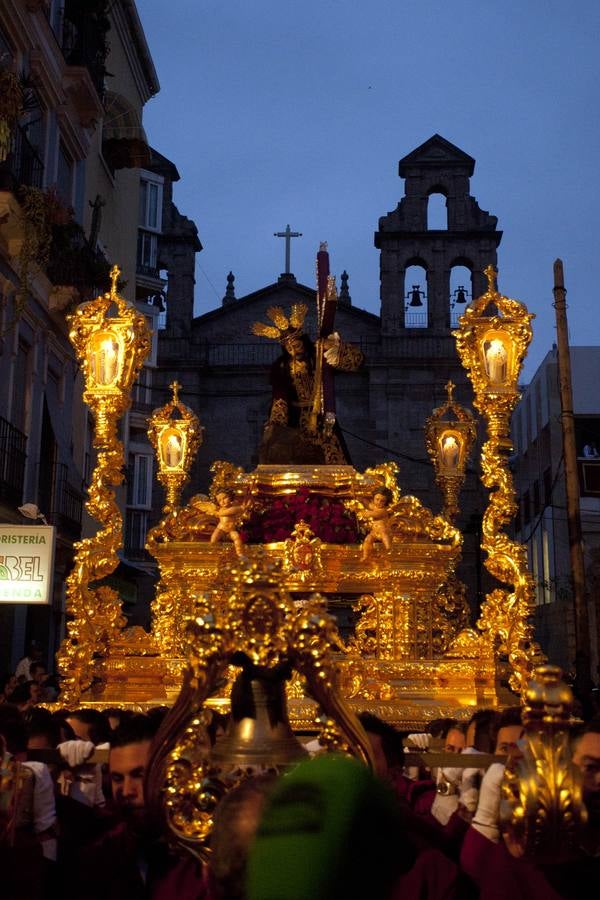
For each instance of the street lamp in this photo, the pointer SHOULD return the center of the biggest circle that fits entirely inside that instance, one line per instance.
(175, 433)
(31, 511)
(111, 339)
(450, 432)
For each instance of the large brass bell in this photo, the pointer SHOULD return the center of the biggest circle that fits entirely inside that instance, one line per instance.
(259, 731)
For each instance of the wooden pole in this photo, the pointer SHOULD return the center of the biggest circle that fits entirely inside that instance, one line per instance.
(582, 627)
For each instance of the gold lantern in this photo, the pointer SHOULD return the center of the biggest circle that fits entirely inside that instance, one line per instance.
(450, 432)
(175, 433)
(492, 339)
(111, 340)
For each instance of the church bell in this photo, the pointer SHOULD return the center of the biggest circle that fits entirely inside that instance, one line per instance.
(415, 296)
(259, 731)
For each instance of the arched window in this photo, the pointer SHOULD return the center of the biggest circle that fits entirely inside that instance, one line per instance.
(461, 292)
(437, 212)
(415, 298)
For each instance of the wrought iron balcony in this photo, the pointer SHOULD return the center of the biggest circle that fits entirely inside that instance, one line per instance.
(62, 501)
(73, 262)
(84, 38)
(23, 164)
(13, 457)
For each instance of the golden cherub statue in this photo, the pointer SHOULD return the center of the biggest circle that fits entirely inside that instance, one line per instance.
(229, 515)
(378, 514)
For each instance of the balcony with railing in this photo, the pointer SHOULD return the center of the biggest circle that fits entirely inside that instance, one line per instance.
(84, 42)
(23, 165)
(61, 500)
(73, 262)
(13, 456)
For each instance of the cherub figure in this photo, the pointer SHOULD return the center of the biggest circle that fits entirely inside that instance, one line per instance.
(228, 513)
(378, 512)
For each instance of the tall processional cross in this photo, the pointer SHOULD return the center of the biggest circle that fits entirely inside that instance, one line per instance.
(288, 234)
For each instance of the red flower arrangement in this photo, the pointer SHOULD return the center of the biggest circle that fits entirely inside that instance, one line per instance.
(327, 517)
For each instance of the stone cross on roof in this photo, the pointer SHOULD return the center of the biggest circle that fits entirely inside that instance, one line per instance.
(288, 234)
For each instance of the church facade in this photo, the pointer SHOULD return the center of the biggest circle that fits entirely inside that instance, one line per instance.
(409, 350)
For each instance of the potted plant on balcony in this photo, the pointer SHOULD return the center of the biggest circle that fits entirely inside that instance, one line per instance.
(11, 104)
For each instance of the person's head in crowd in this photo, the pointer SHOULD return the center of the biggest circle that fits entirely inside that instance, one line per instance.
(43, 730)
(156, 714)
(12, 729)
(38, 672)
(235, 823)
(114, 716)
(385, 741)
(510, 730)
(128, 761)
(451, 731)
(482, 728)
(586, 756)
(89, 725)
(26, 695)
(330, 829)
(8, 683)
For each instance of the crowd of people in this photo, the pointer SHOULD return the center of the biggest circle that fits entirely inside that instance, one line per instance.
(79, 825)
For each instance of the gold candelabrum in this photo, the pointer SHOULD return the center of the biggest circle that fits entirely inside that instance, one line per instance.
(450, 433)
(492, 339)
(111, 340)
(175, 433)
(542, 811)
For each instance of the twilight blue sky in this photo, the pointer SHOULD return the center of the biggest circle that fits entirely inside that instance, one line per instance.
(277, 111)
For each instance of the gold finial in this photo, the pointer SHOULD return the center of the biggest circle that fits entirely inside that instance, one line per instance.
(491, 273)
(450, 389)
(175, 386)
(114, 277)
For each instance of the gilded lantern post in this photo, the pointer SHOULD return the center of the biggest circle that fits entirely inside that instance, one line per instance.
(450, 432)
(111, 341)
(492, 340)
(175, 433)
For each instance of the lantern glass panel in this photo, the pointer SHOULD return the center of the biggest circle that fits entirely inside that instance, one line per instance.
(105, 353)
(496, 359)
(171, 447)
(450, 450)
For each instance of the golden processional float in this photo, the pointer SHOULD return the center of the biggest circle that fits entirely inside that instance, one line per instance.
(412, 656)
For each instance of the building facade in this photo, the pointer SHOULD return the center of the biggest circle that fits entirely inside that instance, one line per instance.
(74, 79)
(542, 520)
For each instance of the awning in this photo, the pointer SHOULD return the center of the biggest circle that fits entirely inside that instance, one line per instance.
(124, 141)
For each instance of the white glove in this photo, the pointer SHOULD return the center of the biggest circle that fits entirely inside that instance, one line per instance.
(333, 354)
(446, 801)
(451, 775)
(419, 742)
(486, 817)
(443, 806)
(76, 753)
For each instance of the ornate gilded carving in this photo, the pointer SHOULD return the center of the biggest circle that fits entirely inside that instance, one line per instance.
(543, 811)
(302, 553)
(492, 348)
(366, 629)
(450, 614)
(110, 350)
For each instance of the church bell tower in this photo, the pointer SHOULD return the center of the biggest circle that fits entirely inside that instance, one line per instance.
(411, 242)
